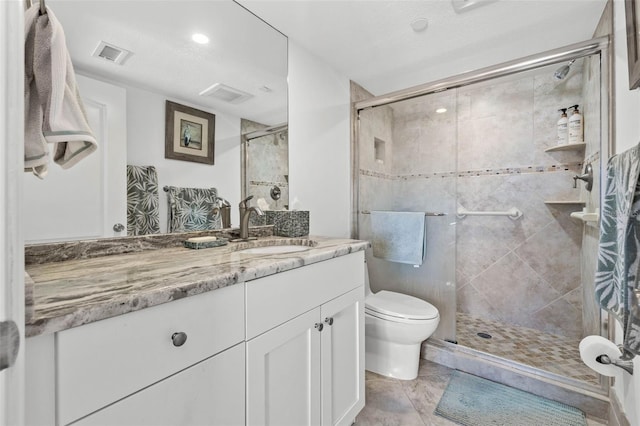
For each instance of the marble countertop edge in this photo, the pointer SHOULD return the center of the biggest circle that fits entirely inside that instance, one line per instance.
(50, 314)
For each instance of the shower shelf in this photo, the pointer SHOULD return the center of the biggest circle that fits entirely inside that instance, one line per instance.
(566, 202)
(568, 147)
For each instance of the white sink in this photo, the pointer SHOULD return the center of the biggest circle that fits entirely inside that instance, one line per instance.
(274, 249)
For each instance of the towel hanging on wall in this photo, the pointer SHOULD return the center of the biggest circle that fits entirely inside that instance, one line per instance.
(617, 275)
(143, 216)
(193, 209)
(54, 113)
(399, 236)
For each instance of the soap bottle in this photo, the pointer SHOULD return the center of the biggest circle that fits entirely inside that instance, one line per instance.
(563, 129)
(576, 126)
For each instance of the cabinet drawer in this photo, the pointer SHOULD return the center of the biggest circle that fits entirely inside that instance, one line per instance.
(208, 393)
(102, 362)
(277, 298)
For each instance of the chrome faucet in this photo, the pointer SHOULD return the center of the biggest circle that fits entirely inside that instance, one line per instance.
(245, 213)
(587, 176)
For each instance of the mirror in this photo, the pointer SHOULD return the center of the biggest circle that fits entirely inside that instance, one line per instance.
(130, 57)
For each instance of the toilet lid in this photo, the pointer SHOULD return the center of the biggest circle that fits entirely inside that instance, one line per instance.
(400, 305)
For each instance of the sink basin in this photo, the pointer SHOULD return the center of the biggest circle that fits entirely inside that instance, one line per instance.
(275, 249)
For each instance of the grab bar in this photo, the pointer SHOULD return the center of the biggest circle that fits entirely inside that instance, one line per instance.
(425, 213)
(513, 213)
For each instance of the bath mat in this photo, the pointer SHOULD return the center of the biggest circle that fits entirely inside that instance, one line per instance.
(473, 401)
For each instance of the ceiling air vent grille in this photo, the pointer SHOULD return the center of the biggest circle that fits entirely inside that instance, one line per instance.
(226, 93)
(111, 53)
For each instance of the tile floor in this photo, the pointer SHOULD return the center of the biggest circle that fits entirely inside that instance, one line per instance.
(391, 402)
(556, 354)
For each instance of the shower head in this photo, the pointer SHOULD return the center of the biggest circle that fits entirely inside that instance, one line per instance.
(563, 70)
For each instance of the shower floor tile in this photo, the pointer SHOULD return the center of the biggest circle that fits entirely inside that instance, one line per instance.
(556, 354)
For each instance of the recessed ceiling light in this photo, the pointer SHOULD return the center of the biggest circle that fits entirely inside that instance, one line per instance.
(200, 38)
(441, 110)
(419, 24)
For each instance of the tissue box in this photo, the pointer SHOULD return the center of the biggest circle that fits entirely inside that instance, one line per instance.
(289, 223)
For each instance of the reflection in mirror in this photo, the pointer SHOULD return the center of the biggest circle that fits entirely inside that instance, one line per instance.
(150, 58)
(265, 154)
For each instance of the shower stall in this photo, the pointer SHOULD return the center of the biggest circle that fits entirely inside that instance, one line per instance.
(265, 165)
(510, 253)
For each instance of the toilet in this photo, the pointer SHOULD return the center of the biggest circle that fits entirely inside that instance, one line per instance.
(395, 326)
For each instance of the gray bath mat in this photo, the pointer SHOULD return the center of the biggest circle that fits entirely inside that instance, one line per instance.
(473, 401)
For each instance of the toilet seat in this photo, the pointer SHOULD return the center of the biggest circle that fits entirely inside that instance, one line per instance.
(399, 307)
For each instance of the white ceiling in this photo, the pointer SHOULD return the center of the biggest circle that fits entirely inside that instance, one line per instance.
(244, 52)
(372, 43)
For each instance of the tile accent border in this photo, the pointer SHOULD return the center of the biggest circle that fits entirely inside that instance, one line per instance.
(572, 167)
(267, 183)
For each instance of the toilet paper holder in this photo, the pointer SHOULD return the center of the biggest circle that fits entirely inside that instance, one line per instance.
(625, 362)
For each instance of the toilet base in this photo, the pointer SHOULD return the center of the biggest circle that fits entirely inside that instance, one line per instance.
(392, 359)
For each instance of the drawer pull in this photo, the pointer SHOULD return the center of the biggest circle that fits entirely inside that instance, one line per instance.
(319, 326)
(179, 338)
(329, 320)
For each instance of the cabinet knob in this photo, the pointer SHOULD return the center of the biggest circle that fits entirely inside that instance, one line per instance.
(319, 326)
(329, 320)
(179, 338)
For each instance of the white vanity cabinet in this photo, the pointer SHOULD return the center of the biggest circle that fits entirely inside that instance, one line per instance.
(305, 345)
(286, 349)
(135, 369)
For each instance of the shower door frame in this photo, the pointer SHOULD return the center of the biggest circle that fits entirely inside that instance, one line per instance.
(597, 46)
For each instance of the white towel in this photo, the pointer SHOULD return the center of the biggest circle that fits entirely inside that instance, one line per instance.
(399, 236)
(54, 113)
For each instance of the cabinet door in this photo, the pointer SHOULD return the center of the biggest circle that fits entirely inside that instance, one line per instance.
(208, 393)
(283, 374)
(342, 368)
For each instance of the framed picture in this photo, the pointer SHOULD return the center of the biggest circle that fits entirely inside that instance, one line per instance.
(632, 12)
(189, 134)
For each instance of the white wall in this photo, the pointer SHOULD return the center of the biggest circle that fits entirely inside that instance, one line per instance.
(145, 146)
(319, 138)
(627, 134)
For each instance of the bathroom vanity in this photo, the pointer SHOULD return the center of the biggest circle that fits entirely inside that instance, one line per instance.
(219, 336)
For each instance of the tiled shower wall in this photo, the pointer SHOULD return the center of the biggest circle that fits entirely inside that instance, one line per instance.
(267, 165)
(485, 153)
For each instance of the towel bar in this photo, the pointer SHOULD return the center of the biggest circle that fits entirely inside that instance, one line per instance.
(513, 213)
(425, 213)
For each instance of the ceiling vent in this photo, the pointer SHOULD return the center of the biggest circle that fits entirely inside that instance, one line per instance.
(111, 53)
(226, 93)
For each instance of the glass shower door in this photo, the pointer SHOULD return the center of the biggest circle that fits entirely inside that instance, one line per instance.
(407, 162)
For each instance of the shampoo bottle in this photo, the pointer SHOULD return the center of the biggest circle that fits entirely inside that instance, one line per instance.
(576, 126)
(563, 128)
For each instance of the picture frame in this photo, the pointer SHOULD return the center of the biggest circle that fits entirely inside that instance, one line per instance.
(189, 134)
(632, 14)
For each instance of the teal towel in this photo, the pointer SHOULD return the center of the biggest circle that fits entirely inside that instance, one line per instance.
(619, 247)
(399, 236)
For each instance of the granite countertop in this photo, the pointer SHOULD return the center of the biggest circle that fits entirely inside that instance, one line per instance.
(76, 292)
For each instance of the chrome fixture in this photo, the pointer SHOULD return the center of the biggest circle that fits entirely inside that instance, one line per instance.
(563, 70)
(275, 193)
(625, 365)
(245, 213)
(225, 212)
(587, 176)
(512, 213)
